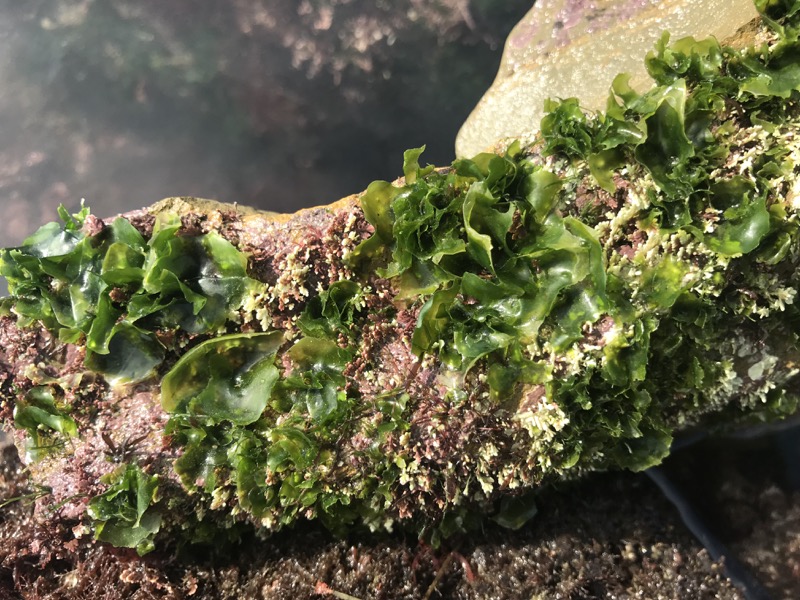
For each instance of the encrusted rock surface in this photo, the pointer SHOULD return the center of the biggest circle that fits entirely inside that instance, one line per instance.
(611, 536)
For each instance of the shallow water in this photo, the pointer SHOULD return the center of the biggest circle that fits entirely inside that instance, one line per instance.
(275, 104)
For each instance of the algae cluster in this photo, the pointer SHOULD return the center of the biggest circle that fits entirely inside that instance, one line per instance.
(562, 307)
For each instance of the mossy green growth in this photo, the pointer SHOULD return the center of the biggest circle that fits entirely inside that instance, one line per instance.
(576, 303)
(113, 290)
(45, 419)
(125, 514)
(516, 274)
(512, 281)
(280, 458)
(515, 279)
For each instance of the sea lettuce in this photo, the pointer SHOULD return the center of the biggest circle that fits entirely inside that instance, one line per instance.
(470, 236)
(228, 378)
(125, 514)
(45, 419)
(333, 311)
(113, 290)
(316, 385)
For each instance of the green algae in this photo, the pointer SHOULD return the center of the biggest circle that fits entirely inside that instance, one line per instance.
(125, 515)
(111, 291)
(597, 331)
(45, 419)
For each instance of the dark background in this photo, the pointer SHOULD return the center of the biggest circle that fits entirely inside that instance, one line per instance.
(273, 103)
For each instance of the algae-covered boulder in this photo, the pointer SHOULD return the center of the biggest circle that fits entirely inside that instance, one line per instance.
(429, 353)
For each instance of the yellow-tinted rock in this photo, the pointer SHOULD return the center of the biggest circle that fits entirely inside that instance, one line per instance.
(573, 48)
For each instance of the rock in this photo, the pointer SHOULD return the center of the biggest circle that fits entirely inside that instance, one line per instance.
(432, 352)
(573, 48)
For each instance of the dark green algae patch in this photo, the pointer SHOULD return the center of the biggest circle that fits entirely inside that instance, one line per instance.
(113, 290)
(574, 304)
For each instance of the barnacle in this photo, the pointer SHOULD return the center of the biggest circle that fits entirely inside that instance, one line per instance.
(422, 354)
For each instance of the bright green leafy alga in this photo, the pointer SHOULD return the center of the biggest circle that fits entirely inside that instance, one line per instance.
(227, 378)
(124, 515)
(113, 290)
